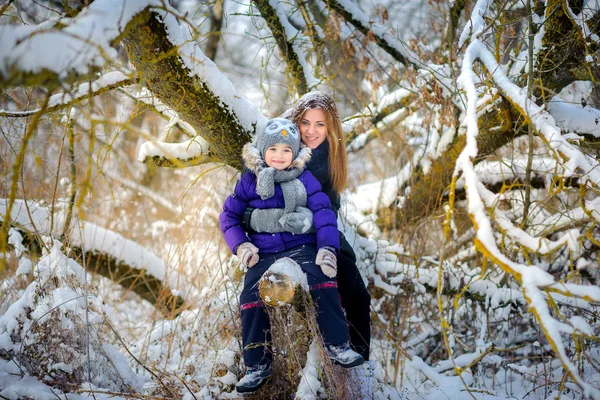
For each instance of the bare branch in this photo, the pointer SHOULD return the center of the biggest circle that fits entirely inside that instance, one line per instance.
(394, 47)
(108, 82)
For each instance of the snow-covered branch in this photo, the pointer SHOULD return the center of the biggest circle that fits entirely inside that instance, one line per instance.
(186, 154)
(33, 55)
(289, 41)
(163, 52)
(169, 59)
(590, 9)
(392, 107)
(384, 39)
(532, 279)
(106, 252)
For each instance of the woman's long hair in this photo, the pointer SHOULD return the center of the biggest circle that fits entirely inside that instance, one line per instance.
(338, 165)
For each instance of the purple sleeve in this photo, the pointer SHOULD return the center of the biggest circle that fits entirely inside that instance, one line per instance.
(230, 219)
(324, 219)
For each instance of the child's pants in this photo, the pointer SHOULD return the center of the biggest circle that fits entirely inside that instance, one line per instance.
(256, 328)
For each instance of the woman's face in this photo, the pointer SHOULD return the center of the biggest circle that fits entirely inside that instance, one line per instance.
(313, 128)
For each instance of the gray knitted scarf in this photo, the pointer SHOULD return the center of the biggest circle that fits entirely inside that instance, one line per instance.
(294, 192)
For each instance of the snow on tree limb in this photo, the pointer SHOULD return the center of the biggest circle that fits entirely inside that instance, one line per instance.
(176, 71)
(289, 40)
(186, 154)
(44, 54)
(167, 59)
(532, 279)
(145, 97)
(110, 253)
(475, 25)
(541, 119)
(394, 47)
(581, 19)
(388, 105)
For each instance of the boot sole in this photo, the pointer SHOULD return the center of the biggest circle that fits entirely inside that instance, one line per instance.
(353, 364)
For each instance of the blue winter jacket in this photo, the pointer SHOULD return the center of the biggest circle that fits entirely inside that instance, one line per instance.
(324, 219)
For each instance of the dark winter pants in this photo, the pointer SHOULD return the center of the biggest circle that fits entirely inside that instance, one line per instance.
(255, 320)
(356, 300)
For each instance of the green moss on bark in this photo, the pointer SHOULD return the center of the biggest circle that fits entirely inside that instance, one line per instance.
(163, 72)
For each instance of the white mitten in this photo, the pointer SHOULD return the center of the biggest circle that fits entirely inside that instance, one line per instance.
(248, 254)
(328, 262)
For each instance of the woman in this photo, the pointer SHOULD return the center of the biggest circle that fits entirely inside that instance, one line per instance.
(317, 118)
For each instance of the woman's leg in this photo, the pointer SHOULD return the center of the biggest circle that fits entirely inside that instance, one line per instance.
(356, 300)
(256, 327)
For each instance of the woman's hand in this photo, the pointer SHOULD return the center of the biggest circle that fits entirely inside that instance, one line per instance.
(248, 254)
(328, 262)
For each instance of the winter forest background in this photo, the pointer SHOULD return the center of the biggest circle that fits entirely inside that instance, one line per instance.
(473, 202)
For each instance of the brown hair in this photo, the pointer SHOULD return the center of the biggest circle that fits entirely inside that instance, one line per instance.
(338, 164)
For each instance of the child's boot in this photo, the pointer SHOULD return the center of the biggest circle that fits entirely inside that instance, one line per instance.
(254, 379)
(343, 355)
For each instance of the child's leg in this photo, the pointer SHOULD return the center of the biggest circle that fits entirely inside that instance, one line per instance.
(256, 327)
(324, 292)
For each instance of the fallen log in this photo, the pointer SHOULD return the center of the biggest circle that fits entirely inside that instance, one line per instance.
(101, 251)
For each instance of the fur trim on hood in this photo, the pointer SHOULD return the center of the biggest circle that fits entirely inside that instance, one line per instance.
(255, 163)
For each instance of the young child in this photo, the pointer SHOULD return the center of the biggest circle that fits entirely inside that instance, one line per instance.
(277, 179)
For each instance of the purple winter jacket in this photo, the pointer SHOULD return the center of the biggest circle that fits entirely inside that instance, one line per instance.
(324, 219)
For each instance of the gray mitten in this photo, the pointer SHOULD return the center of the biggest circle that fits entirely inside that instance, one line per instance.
(298, 222)
(273, 220)
(266, 220)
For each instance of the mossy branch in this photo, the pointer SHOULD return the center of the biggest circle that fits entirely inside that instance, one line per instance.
(285, 45)
(164, 73)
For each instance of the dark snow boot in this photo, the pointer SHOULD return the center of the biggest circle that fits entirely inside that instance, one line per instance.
(344, 356)
(254, 379)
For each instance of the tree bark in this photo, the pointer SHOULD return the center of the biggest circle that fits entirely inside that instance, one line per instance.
(163, 72)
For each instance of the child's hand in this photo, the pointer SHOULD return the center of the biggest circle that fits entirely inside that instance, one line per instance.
(328, 262)
(248, 254)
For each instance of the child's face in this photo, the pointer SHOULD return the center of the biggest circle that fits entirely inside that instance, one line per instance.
(279, 156)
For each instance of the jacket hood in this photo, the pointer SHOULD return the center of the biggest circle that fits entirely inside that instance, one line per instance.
(255, 163)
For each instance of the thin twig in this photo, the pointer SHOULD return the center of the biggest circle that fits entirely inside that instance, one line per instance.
(15, 181)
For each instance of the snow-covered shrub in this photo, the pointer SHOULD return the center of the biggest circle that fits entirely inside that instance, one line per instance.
(53, 334)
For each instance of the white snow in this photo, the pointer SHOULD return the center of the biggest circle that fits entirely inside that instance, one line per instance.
(83, 42)
(287, 266)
